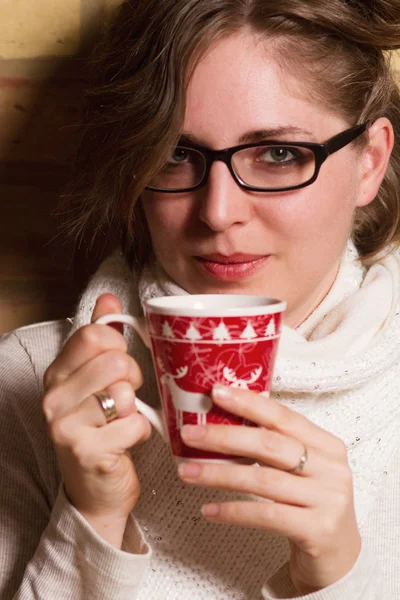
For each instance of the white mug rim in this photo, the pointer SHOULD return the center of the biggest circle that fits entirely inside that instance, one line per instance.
(242, 305)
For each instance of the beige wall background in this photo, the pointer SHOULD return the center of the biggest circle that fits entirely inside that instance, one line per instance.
(42, 43)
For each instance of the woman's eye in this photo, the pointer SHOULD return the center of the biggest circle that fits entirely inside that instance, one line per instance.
(279, 155)
(178, 155)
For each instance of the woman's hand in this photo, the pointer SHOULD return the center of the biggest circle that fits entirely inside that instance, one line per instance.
(313, 508)
(98, 475)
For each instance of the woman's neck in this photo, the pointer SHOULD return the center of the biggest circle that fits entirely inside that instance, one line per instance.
(295, 316)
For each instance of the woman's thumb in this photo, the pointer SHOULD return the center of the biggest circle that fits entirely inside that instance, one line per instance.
(107, 304)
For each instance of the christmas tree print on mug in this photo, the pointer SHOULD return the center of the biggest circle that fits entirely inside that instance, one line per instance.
(197, 341)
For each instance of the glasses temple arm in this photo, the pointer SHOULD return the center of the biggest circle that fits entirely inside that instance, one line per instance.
(342, 139)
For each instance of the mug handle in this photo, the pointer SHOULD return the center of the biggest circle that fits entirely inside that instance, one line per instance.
(139, 325)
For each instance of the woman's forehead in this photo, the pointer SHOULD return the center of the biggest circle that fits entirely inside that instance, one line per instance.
(238, 87)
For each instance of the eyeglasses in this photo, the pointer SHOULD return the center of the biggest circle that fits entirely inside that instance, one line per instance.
(262, 167)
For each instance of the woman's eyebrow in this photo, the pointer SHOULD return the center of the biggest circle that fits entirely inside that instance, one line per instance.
(275, 132)
(255, 136)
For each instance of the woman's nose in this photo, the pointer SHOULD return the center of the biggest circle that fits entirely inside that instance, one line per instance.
(223, 202)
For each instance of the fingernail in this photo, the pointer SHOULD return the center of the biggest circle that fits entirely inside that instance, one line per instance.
(210, 510)
(189, 470)
(223, 393)
(193, 432)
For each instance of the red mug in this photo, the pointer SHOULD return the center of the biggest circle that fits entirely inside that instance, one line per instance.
(200, 340)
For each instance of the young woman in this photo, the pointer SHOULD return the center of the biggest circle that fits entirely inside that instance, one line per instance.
(231, 146)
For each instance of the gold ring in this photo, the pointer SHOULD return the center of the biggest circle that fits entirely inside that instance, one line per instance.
(107, 405)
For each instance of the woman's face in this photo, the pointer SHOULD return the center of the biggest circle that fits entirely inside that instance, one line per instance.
(224, 239)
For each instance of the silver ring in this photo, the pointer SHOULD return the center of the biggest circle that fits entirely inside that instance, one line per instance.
(303, 459)
(107, 405)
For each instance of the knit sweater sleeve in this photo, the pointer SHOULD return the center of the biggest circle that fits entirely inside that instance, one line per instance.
(363, 582)
(47, 548)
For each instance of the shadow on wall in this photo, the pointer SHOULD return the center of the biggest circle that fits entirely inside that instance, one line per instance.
(42, 51)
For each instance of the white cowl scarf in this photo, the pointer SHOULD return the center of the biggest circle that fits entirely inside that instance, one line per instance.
(340, 368)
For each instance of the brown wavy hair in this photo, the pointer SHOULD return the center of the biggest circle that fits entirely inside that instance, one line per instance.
(136, 100)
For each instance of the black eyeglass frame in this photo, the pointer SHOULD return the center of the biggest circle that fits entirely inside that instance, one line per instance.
(321, 153)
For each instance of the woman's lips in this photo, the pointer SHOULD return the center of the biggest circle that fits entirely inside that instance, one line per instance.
(230, 268)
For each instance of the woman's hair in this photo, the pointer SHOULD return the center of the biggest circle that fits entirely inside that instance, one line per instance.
(136, 102)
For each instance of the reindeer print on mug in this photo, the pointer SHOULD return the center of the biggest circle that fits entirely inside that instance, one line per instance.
(193, 353)
(201, 404)
(185, 401)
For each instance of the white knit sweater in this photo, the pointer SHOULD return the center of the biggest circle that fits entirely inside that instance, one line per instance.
(341, 369)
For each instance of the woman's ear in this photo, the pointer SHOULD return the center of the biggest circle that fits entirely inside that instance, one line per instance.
(374, 159)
